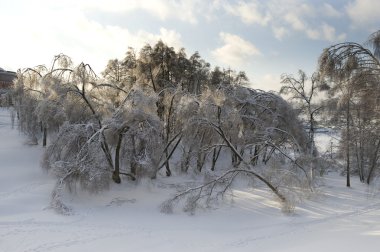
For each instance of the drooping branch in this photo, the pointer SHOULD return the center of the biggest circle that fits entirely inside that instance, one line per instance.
(293, 161)
(341, 60)
(220, 132)
(167, 157)
(207, 190)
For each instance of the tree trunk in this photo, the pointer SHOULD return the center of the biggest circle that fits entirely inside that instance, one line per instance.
(168, 132)
(133, 161)
(201, 158)
(255, 158)
(235, 159)
(348, 184)
(359, 159)
(186, 160)
(311, 139)
(167, 166)
(373, 163)
(215, 156)
(311, 135)
(44, 137)
(265, 154)
(359, 149)
(152, 79)
(116, 172)
(268, 155)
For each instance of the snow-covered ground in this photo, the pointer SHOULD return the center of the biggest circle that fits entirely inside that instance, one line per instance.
(327, 141)
(127, 217)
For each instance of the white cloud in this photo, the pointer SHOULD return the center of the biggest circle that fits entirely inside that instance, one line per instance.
(329, 34)
(69, 31)
(305, 18)
(285, 16)
(184, 10)
(325, 32)
(169, 37)
(364, 13)
(313, 34)
(329, 11)
(279, 32)
(294, 20)
(267, 82)
(249, 13)
(235, 50)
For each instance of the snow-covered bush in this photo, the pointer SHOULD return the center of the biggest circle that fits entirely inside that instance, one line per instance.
(75, 156)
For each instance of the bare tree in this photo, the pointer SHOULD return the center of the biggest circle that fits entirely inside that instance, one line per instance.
(302, 92)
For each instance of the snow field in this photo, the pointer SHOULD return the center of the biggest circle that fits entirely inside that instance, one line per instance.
(127, 217)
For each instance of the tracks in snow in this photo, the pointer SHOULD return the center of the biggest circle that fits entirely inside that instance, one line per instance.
(65, 235)
(303, 226)
(22, 189)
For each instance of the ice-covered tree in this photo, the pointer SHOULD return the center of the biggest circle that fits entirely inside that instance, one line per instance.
(42, 85)
(161, 114)
(349, 68)
(242, 120)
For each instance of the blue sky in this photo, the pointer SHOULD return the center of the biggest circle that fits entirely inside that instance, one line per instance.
(263, 38)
